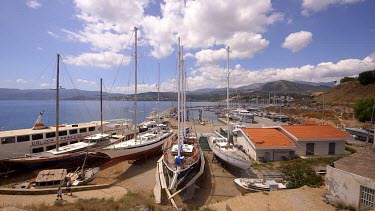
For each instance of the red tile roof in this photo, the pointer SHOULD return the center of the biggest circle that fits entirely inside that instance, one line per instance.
(314, 131)
(268, 137)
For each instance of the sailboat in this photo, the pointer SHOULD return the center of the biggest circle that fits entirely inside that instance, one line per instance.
(142, 144)
(221, 146)
(183, 158)
(71, 152)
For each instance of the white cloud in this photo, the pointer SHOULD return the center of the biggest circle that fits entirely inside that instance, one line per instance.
(242, 45)
(297, 41)
(33, 4)
(53, 34)
(309, 6)
(83, 81)
(45, 85)
(103, 60)
(107, 25)
(214, 76)
(21, 81)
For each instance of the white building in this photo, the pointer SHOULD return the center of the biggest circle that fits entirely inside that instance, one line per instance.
(265, 144)
(352, 181)
(316, 139)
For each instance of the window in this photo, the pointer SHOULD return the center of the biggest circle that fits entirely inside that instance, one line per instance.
(91, 128)
(37, 136)
(23, 138)
(367, 197)
(50, 135)
(63, 133)
(36, 150)
(51, 147)
(83, 130)
(75, 131)
(73, 142)
(8, 140)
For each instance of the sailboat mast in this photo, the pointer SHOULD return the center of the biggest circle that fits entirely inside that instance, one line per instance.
(57, 101)
(158, 89)
(101, 106)
(179, 97)
(183, 94)
(135, 86)
(228, 96)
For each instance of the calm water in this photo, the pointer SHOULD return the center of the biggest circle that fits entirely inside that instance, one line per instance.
(18, 114)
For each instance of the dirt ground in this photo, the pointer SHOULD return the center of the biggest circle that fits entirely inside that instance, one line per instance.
(215, 186)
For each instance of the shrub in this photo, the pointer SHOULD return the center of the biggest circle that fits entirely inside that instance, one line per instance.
(346, 79)
(351, 150)
(300, 173)
(367, 77)
(363, 109)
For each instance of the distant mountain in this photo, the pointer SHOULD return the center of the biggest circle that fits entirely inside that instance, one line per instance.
(46, 94)
(289, 87)
(211, 94)
(329, 84)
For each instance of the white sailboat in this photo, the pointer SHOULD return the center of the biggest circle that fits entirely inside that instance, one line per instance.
(143, 144)
(221, 146)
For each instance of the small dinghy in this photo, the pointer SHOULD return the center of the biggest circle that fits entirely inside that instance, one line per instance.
(249, 185)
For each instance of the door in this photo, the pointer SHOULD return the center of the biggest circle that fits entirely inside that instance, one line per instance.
(267, 156)
(310, 149)
(332, 148)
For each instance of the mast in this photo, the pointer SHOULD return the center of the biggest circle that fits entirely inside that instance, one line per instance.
(228, 96)
(179, 98)
(101, 106)
(158, 89)
(135, 86)
(57, 101)
(183, 100)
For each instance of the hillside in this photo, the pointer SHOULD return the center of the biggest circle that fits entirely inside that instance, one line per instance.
(289, 87)
(349, 92)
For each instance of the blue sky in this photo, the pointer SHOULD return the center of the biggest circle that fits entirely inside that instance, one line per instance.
(309, 40)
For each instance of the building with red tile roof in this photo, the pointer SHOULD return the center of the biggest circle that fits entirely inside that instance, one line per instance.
(316, 139)
(274, 143)
(266, 144)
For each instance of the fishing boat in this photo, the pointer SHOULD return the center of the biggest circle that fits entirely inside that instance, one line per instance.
(249, 185)
(145, 143)
(223, 148)
(182, 157)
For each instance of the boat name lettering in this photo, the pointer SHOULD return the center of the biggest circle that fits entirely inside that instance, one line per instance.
(42, 142)
(70, 137)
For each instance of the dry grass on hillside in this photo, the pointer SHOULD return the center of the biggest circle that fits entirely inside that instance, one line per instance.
(348, 92)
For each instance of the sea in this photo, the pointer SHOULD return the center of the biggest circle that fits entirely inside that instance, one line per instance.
(21, 114)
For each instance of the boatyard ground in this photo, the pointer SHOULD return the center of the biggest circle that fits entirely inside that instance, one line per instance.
(215, 189)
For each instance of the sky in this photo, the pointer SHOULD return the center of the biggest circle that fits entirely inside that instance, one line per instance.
(296, 40)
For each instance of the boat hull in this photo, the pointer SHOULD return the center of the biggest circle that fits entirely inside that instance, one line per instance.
(136, 152)
(229, 159)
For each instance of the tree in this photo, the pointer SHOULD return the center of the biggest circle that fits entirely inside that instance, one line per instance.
(363, 109)
(346, 79)
(367, 77)
(300, 173)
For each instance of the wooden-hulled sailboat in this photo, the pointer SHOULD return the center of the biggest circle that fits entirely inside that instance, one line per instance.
(182, 160)
(221, 146)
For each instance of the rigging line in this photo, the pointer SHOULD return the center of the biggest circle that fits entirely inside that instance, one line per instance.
(122, 61)
(75, 90)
